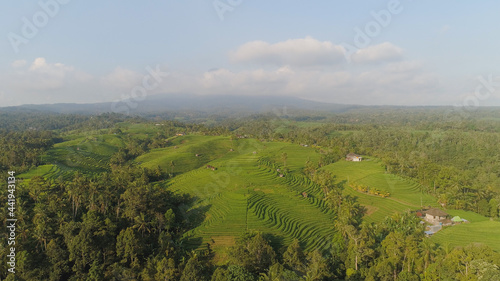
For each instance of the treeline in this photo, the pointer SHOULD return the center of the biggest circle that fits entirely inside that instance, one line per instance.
(22, 150)
(115, 226)
(22, 120)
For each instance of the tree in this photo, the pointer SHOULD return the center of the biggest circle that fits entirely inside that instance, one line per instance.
(232, 273)
(169, 219)
(392, 261)
(427, 250)
(494, 206)
(128, 247)
(58, 258)
(284, 157)
(166, 270)
(172, 167)
(293, 258)
(317, 266)
(360, 248)
(194, 270)
(254, 253)
(483, 207)
(238, 273)
(278, 272)
(220, 274)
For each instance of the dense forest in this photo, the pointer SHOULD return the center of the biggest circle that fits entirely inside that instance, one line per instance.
(121, 223)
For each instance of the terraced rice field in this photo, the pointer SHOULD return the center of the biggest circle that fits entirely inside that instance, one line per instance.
(486, 232)
(87, 154)
(245, 194)
(183, 153)
(405, 194)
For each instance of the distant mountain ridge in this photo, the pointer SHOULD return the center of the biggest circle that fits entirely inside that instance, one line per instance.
(189, 102)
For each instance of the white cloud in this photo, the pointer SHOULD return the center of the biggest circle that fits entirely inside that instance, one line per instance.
(46, 82)
(294, 52)
(445, 28)
(400, 82)
(122, 79)
(41, 75)
(19, 63)
(377, 53)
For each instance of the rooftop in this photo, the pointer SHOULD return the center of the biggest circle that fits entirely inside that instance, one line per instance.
(436, 212)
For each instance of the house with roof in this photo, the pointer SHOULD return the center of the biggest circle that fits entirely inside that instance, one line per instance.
(435, 216)
(353, 157)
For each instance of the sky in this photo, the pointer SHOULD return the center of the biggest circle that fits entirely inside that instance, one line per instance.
(390, 52)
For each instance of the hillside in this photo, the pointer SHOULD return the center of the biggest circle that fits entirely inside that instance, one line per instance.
(243, 194)
(405, 194)
(246, 193)
(191, 103)
(166, 187)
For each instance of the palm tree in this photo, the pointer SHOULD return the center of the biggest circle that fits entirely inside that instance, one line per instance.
(172, 166)
(284, 157)
(274, 273)
(428, 250)
(141, 224)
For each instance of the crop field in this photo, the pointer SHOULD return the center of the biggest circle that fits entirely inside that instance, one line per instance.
(296, 155)
(486, 232)
(404, 193)
(246, 192)
(181, 156)
(480, 229)
(86, 154)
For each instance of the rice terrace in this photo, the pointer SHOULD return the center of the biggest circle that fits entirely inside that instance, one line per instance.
(232, 140)
(239, 184)
(263, 196)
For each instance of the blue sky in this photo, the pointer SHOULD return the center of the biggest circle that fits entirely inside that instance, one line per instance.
(427, 53)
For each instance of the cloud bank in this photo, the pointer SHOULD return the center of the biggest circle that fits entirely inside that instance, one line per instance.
(304, 68)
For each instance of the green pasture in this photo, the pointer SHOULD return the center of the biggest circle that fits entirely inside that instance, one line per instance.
(405, 194)
(245, 195)
(296, 155)
(246, 192)
(87, 154)
(183, 150)
(486, 232)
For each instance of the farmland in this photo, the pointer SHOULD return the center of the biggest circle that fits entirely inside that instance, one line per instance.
(245, 195)
(175, 192)
(245, 192)
(486, 232)
(405, 194)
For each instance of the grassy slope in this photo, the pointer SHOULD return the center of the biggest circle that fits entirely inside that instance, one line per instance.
(87, 154)
(405, 194)
(242, 195)
(480, 230)
(183, 152)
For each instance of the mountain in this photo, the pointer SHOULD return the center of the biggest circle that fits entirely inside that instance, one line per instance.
(189, 102)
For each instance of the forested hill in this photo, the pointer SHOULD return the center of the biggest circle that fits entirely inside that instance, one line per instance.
(191, 103)
(260, 197)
